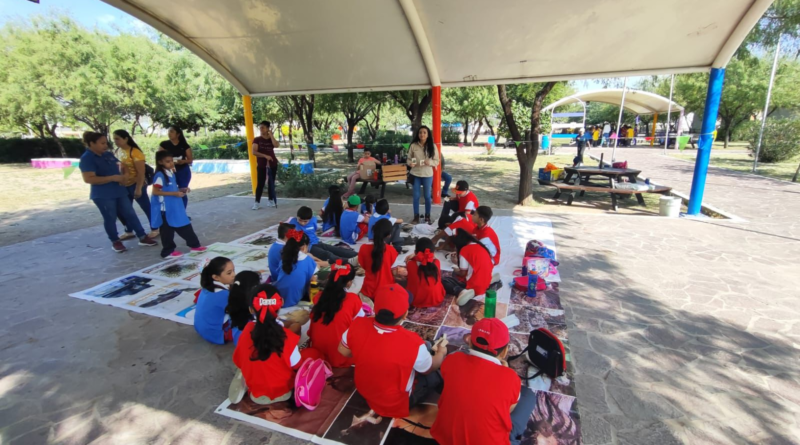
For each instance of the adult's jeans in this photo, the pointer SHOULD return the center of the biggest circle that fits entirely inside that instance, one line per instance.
(266, 177)
(425, 185)
(183, 176)
(447, 180)
(521, 414)
(326, 252)
(449, 210)
(144, 204)
(110, 208)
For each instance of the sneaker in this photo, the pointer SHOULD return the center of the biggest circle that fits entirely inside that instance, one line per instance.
(495, 277)
(147, 241)
(256, 206)
(199, 249)
(237, 388)
(465, 296)
(272, 203)
(126, 236)
(118, 247)
(175, 254)
(154, 234)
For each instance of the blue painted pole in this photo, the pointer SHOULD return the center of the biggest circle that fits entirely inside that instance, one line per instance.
(713, 95)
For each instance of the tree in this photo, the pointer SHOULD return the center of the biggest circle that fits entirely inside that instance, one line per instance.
(532, 96)
(304, 110)
(469, 105)
(355, 107)
(781, 19)
(414, 104)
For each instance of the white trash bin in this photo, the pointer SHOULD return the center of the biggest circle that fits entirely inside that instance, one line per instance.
(669, 206)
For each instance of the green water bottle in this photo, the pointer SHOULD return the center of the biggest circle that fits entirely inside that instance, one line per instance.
(490, 304)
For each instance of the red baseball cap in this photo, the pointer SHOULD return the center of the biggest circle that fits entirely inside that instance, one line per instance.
(393, 298)
(494, 333)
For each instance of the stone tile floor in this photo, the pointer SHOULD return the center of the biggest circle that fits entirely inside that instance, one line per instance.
(681, 331)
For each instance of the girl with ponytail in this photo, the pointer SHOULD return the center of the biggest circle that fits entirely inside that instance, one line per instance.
(297, 268)
(239, 301)
(333, 312)
(473, 275)
(212, 301)
(377, 259)
(424, 276)
(267, 354)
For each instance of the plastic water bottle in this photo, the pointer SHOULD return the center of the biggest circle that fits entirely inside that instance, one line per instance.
(396, 161)
(490, 304)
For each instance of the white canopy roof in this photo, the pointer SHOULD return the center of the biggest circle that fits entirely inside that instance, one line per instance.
(637, 101)
(268, 47)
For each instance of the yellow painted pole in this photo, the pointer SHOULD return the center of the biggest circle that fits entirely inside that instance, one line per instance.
(653, 135)
(248, 129)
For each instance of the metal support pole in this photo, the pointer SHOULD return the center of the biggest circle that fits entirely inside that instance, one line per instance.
(715, 82)
(766, 105)
(437, 140)
(669, 111)
(247, 102)
(619, 120)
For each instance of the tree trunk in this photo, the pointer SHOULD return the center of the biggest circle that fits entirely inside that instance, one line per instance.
(52, 131)
(527, 158)
(291, 139)
(478, 126)
(466, 131)
(135, 122)
(525, 191)
(351, 124)
(727, 136)
(796, 172)
(508, 114)
(488, 124)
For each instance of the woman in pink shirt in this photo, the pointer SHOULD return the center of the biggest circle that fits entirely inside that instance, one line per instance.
(353, 178)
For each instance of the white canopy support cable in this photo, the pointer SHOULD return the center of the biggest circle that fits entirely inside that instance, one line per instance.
(766, 104)
(619, 120)
(669, 112)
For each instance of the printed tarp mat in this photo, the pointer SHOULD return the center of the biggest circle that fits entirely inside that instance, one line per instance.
(167, 289)
(343, 416)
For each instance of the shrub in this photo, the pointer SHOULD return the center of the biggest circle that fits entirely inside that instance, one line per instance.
(298, 185)
(451, 137)
(19, 150)
(781, 140)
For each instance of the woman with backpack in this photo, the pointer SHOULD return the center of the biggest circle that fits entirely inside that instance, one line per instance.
(136, 178)
(267, 354)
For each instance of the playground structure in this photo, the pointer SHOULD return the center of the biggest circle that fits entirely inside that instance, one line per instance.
(265, 48)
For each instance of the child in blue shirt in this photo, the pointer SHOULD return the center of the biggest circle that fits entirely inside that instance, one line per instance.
(382, 212)
(332, 211)
(168, 209)
(353, 225)
(297, 268)
(274, 255)
(306, 222)
(209, 315)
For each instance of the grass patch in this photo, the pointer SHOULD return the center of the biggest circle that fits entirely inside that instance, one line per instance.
(744, 163)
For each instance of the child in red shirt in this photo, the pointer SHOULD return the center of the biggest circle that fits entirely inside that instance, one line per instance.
(485, 234)
(424, 276)
(494, 412)
(473, 275)
(267, 354)
(333, 312)
(377, 259)
(394, 369)
(464, 202)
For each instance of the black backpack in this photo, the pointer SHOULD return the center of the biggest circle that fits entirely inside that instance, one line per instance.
(546, 352)
(149, 172)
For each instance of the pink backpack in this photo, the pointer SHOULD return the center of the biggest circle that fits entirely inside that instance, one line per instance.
(310, 381)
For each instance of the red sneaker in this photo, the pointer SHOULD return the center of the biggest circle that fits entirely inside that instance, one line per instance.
(176, 254)
(199, 249)
(118, 247)
(147, 241)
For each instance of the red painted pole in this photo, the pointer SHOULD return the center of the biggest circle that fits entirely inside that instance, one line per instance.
(437, 139)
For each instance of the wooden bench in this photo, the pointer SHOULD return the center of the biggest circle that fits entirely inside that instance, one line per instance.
(562, 188)
(389, 174)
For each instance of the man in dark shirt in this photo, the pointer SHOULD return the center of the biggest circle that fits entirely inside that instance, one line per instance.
(581, 141)
(264, 150)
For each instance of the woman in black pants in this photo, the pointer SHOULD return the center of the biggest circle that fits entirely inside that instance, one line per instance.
(264, 150)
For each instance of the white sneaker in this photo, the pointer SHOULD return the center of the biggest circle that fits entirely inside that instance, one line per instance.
(465, 296)
(495, 277)
(237, 388)
(256, 206)
(271, 203)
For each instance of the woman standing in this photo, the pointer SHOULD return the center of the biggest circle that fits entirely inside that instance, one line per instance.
(132, 159)
(422, 158)
(264, 150)
(101, 170)
(181, 153)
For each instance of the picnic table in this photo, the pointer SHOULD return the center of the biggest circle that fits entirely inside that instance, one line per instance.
(579, 179)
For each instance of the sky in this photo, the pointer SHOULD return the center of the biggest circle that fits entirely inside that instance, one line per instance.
(90, 13)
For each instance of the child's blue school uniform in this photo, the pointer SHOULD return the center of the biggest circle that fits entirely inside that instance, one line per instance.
(326, 225)
(375, 218)
(274, 259)
(172, 205)
(292, 287)
(235, 332)
(348, 226)
(209, 314)
(310, 229)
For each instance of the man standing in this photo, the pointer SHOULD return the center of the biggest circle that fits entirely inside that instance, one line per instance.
(606, 133)
(581, 141)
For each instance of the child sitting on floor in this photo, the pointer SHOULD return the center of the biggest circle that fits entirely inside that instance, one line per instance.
(267, 355)
(462, 220)
(382, 212)
(274, 254)
(297, 268)
(473, 276)
(368, 207)
(424, 276)
(239, 302)
(306, 222)
(464, 201)
(167, 209)
(486, 234)
(494, 412)
(333, 312)
(209, 315)
(353, 226)
(377, 259)
(331, 211)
